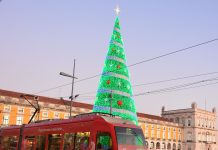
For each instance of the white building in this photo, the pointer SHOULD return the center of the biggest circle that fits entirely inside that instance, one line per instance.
(199, 125)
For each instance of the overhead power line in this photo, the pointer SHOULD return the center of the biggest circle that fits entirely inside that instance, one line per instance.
(179, 87)
(174, 79)
(143, 61)
(162, 81)
(172, 88)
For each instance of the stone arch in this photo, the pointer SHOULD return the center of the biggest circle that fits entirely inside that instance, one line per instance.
(168, 146)
(147, 144)
(152, 145)
(158, 145)
(163, 145)
(179, 147)
(174, 146)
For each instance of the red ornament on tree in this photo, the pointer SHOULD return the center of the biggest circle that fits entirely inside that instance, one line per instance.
(108, 81)
(120, 103)
(113, 49)
(118, 66)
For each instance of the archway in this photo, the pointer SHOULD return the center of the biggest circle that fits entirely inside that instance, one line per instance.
(168, 146)
(174, 146)
(157, 145)
(179, 146)
(152, 145)
(163, 145)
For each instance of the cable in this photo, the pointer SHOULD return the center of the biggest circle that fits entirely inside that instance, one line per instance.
(178, 87)
(174, 79)
(164, 55)
(162, 81)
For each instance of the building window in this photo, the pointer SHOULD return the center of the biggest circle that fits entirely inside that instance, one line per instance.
(7, 108)
(214, 138)
(189, 137)
(44, 114)
(179, 137)
(56, 115)
(174, 135)
(5, 120)
(20, 110)
(189, 122)
(164, 135)
(158, 134)
(199, 136)
(19, 120)
(169, 135)
(66, 115)
(152, 133)
(199, 122)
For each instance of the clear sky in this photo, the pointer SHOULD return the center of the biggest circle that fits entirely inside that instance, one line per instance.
(38, 39)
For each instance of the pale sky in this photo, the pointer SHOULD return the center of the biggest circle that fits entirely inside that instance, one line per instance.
(38, 39)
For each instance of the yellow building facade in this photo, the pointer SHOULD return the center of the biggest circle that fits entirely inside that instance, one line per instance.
(161, 133)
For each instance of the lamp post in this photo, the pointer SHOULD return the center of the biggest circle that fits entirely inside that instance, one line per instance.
(73, 77)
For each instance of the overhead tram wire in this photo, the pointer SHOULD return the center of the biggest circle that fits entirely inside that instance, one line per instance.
(148, 93)
(177, 87)
(174, 79)
(143, 61)
(163, 81)
(173, 88)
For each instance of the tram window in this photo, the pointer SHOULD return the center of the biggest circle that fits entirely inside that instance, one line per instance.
(54, 141)
(5, 143)
(9, 142)
(104, 141)
(69, 141)
(29, 142)
(82, 140)
(40, 142)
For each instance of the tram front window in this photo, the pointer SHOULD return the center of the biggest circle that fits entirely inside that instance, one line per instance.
(130, 138)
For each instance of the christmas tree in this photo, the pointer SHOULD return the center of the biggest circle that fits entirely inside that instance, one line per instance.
(114, 95)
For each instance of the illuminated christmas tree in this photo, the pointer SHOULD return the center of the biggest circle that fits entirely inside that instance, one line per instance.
(115, 89)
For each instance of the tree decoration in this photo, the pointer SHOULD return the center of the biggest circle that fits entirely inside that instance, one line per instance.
(108, 81)
(120, 103)
(114, 86)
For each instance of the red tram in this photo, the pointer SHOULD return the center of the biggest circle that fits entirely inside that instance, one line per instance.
(92, 131)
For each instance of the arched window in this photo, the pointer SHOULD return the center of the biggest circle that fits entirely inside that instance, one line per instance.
(168, 146)
(158, 145)
(163, 145)
(174, 146)
(152, 145)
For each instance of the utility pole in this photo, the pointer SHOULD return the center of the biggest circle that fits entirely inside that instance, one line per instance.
(73, 77)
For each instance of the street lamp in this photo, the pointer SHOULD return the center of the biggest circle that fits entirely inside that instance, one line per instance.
(73, 77)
